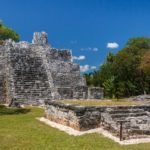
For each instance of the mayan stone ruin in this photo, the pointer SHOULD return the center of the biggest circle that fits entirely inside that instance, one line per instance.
(135, 120)
(34, 72)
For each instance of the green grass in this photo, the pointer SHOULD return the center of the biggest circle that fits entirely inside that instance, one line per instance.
(19, 130)
(121, 102)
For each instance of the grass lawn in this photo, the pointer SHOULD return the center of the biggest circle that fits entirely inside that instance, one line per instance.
(19, 130)
(121, 102)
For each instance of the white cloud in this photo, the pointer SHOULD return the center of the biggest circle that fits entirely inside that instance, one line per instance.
(93, 67)
(86, 49)
(79, 57)
(112, 45)
(84, 68)
(95, 49)
(73, 42)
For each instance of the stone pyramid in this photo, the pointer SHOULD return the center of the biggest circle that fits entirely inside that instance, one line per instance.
(33, 72)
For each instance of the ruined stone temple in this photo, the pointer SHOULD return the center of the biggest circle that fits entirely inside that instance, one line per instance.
(34, 72)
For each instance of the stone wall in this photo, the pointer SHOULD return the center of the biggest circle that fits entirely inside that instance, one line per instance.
(61, 55)
(77, 117)
(4, 84)
(135, 119)
(95, 93)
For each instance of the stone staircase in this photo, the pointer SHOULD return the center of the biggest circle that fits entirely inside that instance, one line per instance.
(135, 121)
(29, 76)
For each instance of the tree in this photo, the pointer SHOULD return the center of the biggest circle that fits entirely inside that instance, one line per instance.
(109, 87)
(145, 64)
(145, 68)
(110, 57)
(127, 64)
(140, 42)
(7, 33)
(88, 77)
(126, 73)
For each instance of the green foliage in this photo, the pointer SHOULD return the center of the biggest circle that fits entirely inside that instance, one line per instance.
(109, 87)
(145, 63)
(7, 33)
(140, 42)
(11, 111)
(110, 57)
(126, 73)
(89, 78)
(93, 79)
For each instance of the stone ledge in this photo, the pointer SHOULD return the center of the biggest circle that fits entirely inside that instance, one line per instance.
(91, 108)
(105, 133)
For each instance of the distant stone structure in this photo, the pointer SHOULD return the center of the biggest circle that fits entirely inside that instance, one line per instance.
(32, 73)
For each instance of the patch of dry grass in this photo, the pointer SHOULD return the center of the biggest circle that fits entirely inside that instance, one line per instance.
(114, 102)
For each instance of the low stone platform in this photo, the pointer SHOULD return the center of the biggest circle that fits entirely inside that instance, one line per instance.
(135, 120)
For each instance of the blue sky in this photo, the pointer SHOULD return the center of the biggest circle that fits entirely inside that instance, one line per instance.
(91, 28)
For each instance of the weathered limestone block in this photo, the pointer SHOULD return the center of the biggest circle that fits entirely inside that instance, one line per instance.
(62, 115)
(67, 80)
(40, 38)
(62, 55)
(65, 92)
(77, 117)
(80, 92)
(142, 97)
(58, 66)
(95, 93)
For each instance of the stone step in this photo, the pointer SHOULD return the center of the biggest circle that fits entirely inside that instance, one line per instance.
(44, 83)
(32, 85)
(125, 111)
(139, 131)
(32, 91)
(122, 115)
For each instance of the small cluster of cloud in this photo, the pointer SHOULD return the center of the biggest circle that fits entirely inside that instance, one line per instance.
(86, 68)
(73, 42)
(94, 49)
(78, 57)
(93, 67)
(112, 45)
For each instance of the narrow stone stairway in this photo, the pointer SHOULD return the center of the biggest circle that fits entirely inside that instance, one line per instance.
(135, 121)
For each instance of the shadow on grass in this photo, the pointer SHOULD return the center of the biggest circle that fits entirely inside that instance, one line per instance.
(12, 111)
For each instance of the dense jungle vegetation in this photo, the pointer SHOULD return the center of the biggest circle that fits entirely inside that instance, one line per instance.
(126, 73)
